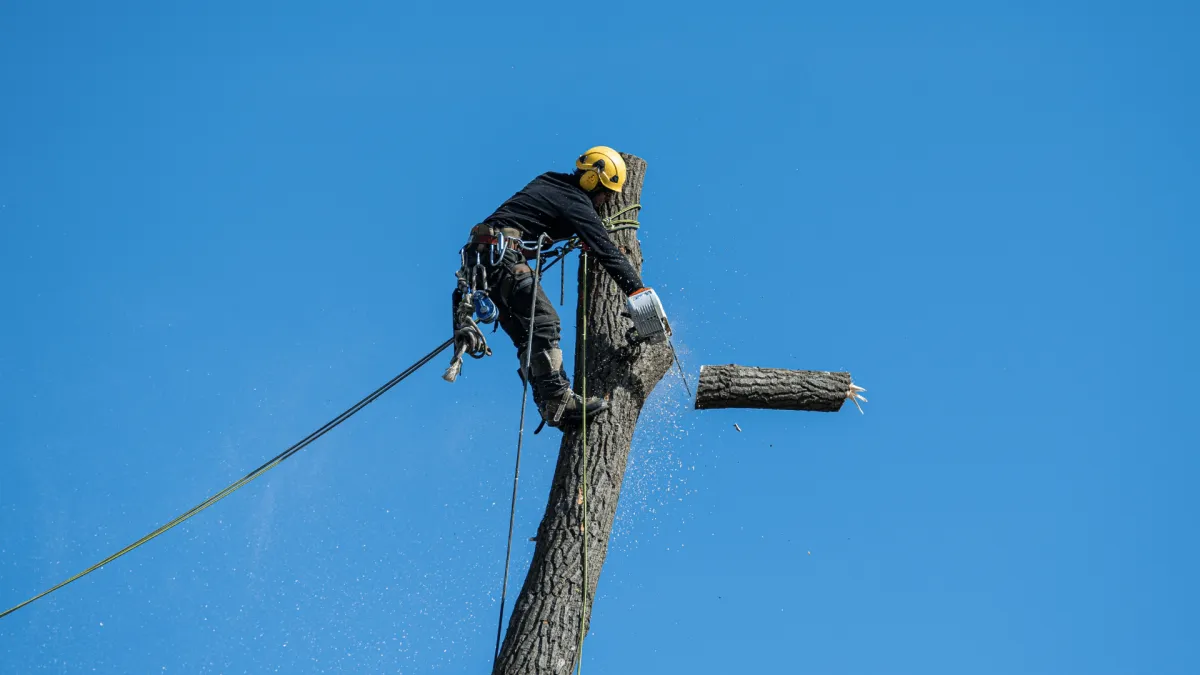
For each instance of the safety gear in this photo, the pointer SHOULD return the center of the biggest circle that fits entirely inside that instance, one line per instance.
(601, 166)
(494, 242)
(558, 403)
(552, 393)
(567, 406)
(545, 362)
(468, 339)
(485, 309)
(649, 317)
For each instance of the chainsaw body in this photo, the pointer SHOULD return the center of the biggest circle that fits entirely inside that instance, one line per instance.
(649, 317)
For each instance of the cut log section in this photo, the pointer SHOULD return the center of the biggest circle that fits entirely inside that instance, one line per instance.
(732, 386)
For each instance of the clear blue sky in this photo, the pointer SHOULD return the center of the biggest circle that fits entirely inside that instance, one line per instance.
(221, 225)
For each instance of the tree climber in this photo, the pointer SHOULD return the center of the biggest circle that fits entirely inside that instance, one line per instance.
(553, 207)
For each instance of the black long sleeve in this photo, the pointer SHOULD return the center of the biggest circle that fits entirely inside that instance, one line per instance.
(582, 215)
(553, 204)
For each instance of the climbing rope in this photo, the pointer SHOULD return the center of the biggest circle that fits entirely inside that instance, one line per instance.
(613, 223)
(512, 513)
(584, 546)
(329, 426)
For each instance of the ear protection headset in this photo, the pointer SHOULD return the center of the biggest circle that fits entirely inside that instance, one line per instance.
(601, 166)
(591, 178)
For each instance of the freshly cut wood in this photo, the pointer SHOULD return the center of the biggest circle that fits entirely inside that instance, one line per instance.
(732, 386)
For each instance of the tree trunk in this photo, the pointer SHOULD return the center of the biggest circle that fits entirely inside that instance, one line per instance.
(774, 388)
(544, 630)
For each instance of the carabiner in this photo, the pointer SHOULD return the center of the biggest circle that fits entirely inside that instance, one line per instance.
(501, 243)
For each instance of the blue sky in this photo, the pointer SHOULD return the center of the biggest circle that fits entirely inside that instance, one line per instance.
(221, 225)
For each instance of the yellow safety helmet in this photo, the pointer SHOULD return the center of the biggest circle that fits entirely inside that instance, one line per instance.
(601, 166)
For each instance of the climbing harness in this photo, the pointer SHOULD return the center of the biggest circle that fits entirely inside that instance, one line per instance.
(512, 513)
(476, 305)
(473, 304)
(329, 426)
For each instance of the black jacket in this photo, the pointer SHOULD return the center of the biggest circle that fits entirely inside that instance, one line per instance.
(554, 204)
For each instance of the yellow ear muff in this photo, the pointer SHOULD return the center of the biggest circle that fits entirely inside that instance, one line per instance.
(591, 178)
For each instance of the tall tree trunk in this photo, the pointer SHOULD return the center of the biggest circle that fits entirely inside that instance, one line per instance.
(774, 388)
(544, 630)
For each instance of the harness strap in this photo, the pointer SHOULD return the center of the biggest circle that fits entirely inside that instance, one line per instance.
(562, 405)
(489, 240)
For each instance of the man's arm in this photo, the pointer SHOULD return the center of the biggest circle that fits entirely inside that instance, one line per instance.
(591, 231)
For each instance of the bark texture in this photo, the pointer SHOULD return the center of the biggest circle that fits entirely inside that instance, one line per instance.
(773, 388)
(543, 631)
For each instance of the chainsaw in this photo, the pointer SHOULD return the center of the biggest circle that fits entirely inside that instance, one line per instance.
(649, 318)
(650, 324)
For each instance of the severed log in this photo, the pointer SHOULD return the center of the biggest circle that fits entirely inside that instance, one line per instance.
(732, 386)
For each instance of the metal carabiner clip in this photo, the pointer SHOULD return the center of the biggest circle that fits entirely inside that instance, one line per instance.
(501, 243)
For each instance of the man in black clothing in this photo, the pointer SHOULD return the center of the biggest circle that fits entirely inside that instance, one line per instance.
(552, 207)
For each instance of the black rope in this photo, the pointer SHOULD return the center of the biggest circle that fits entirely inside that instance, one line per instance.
(329, 426)
(542, 266)
(512, 513)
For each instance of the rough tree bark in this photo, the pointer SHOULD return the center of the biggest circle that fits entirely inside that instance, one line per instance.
(774, 388)
(543, 631)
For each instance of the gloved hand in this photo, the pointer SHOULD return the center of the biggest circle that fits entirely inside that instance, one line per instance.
(649, 317)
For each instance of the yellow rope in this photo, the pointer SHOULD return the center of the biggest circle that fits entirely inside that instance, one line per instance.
(584, 546)
(245, 479)
(613, 224)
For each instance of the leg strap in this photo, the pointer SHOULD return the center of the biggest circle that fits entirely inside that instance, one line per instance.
(562, 406)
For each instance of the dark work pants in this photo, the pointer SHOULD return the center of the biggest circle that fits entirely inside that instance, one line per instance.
(511, 283)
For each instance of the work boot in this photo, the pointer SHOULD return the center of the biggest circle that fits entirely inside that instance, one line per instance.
(559, 405)
(552, 392)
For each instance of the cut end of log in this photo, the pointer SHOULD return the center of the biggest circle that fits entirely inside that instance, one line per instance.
(733, 386)
(854, 395)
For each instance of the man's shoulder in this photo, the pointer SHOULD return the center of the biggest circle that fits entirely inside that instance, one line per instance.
(553, 189)
(555, 180)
